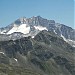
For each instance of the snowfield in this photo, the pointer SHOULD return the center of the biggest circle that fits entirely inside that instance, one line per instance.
(23, 28)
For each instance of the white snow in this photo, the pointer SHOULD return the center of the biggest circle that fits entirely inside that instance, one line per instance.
(64, 38)
(14, 29)
(40, 28)
(23, 28)
(2, 52)
(55, 32)
(72, 42)
(73, 45)
(2, 32)
(15, 59)
(33, 36)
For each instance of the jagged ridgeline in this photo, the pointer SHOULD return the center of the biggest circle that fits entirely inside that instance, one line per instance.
(45, 54)
(24, 27)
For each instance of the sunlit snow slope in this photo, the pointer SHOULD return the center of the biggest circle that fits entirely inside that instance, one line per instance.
(23, 28)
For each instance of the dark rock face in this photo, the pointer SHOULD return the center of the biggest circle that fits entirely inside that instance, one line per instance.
(21, 45)
(4, 59)
(64, 62)
(46, 54)
(43, 55)
(60, 60)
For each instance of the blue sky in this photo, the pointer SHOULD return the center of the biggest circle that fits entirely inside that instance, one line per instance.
(62, 11)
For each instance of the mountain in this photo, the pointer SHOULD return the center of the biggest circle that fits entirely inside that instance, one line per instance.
(45, 54)
(37, 46)
(32, 26)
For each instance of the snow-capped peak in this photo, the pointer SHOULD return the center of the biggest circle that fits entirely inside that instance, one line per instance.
(31, 27)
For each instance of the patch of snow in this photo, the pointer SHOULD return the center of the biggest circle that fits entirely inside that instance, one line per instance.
(72, 42)
(33, 36)
(2, 32)
(23, 28)
(73, 45)
(2, 52)
(64, 38)
(15, 59)
(55, 32)
(40, 28)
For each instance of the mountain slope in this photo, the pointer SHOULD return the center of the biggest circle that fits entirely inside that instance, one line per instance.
(45, 54)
